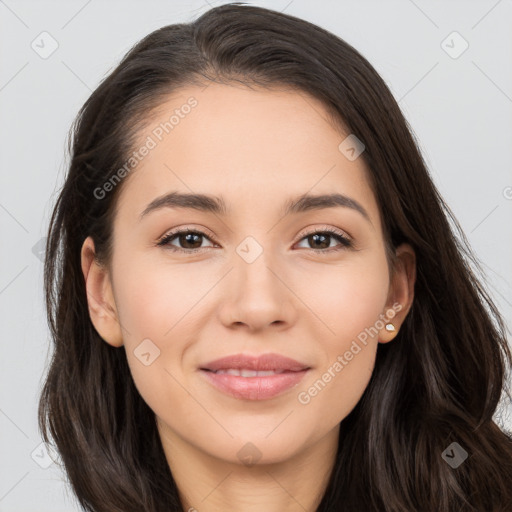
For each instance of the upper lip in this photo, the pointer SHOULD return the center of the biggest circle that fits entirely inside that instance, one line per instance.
(264, 362)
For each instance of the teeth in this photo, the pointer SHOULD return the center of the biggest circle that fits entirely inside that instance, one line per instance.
(248, 373)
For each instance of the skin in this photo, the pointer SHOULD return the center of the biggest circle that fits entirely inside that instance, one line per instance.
(257, 148)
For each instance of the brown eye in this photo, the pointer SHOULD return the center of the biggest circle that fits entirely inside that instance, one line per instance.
(320, 241)
(189, 240)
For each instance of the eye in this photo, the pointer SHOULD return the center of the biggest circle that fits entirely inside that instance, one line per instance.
(324, 237)
(191, 240)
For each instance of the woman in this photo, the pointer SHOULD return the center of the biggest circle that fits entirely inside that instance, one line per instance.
(326, 350)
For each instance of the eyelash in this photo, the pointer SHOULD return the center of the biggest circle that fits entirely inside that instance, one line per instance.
(345, 243)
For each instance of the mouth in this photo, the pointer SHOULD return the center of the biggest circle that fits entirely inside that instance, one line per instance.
(249, 377)
(248, 373)
(269, 362)
(246, 384)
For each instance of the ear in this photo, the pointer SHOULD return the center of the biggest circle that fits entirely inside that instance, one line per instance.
(100, 298)
(401, 292)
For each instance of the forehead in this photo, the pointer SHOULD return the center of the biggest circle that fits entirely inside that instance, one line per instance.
(254, 147)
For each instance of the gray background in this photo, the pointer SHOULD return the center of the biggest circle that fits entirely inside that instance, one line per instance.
(459, 108)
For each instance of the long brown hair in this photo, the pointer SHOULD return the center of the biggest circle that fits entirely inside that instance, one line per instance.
(439, 382)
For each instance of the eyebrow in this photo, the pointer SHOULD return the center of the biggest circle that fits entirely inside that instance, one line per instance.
(217, 205)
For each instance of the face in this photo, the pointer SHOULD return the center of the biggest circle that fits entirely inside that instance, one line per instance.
(311, 284)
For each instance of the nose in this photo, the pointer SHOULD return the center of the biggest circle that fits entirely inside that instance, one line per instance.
(256, 296)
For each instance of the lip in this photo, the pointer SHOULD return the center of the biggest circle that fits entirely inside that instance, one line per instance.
(264, 362)
(255, 388)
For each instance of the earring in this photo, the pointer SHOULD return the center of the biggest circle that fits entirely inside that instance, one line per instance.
(390, 327)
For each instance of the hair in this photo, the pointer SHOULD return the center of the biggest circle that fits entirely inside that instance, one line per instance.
(440, 381)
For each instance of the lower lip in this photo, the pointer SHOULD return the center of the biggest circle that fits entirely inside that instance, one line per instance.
(254, 388)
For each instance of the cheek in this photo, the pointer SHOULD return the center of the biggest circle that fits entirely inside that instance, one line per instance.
(349, 302)
(160, 307)
(156, 300)
(336, 386)
(334, 390)
(360, 300)
(347, 298)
